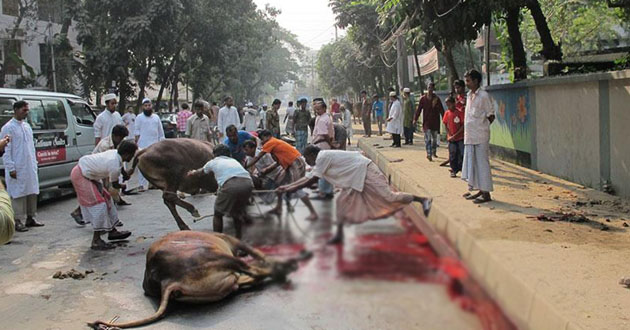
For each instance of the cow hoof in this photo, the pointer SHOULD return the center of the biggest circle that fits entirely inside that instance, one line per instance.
(195, 214)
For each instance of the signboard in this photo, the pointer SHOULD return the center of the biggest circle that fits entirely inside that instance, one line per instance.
(428, 63)
(50, 147)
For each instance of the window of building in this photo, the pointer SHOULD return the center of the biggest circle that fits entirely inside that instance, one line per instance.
(12, 47)
(50, 10)
(10, 7)
(44, 58)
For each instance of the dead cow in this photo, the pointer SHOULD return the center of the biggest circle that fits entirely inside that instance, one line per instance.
(198, 267)
(165, 165)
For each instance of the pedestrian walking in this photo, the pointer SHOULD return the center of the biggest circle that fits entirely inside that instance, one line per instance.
(454, 122)
(97, 206)
(250, 118)
(273, 119)
(430, 106)
(198, 125)
(148, 130)
(214, 114)
(107, 119)
(394, 121)
(366, 114)
(378, 109)
(288, 120)
(235, 188)
(263, 116)
(235, 140)
(228, 115)
(365, 194)
(323, 137)
(479, 116)
(347, 122)
(182, 119)
(408, 114)
(20, 168)
(301, 118)
(291, 162)
(129, 119)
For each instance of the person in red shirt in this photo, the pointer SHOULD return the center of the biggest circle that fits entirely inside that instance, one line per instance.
(460, 95)
(454, 121)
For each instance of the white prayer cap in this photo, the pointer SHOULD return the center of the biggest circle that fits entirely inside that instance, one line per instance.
(392, 94)
(109, 97)
(406, 90)
(250, 104)
(146, 100)
(265, 105)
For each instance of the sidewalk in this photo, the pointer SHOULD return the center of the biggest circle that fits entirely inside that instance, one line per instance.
(544, 274)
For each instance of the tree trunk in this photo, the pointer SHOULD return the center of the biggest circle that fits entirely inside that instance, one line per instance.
(447, 51)
(519, 57)
(551, 51)
(167, 76)
(122, 90)
(142, 84)
(415, 57)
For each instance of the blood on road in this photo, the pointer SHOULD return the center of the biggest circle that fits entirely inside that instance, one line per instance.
(385, 275)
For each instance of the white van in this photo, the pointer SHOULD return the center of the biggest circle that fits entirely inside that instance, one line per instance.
(62, 131)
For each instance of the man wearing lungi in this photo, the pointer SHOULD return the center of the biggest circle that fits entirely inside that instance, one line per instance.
(365, 193)
(235, 188)
(479, 115)
(97, 205)
(293, 164)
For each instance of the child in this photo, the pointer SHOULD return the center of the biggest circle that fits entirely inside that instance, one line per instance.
(454, 121)
(347, 123)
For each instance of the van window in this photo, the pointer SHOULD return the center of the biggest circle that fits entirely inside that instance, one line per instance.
(47, 114)
(6, 110)
(82, 114)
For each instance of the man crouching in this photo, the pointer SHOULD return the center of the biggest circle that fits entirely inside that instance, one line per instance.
(95, 202)
(235, 188)
(365, 194)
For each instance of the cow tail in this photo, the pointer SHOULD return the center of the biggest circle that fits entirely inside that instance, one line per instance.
(158, 314)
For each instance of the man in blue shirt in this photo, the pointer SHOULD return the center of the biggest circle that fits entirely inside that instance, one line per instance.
(377, 108)
(235, 140)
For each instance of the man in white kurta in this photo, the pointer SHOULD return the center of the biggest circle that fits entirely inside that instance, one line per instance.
(148, 130)
(20, 166)
(96, 203)
(228, 115)
(250, 118)
(107, 119)
(129, 119)
(395, 119)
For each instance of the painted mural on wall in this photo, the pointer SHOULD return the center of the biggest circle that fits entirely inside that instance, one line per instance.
(512, 128)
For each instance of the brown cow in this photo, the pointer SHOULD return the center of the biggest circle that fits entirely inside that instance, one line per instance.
(165, 165)
(199, 267)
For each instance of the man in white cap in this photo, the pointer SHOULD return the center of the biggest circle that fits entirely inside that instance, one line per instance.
(107, 119)
(228, 115)
(148, 130)
(408, 113)
(394, 121)
(263, 116)
(250, 118)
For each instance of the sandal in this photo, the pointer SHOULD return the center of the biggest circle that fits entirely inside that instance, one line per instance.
(482, 199)
(473, 196)
(118, 235)
(103, 247)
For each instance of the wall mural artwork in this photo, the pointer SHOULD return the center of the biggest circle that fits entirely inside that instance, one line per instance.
(512, 128)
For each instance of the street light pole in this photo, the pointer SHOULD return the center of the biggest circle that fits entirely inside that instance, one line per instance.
(52, 53)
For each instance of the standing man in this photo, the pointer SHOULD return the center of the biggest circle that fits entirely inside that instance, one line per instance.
(250, 118)
(263, 116)
(301, 118)
(182, 119)
(366, 114)
(107, 119)
(198, 125)
(149, 130)
(460, 95)
(479, 115)
(288, 119)
(408, 107)
(394, 121)
(430, 106)
(20, 167)
(273, 119)
(323, 137)
(214, 114)
(129, 119)
(377, 107)
(228, 115)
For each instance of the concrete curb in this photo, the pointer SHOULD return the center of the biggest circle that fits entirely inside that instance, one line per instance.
(519, 301)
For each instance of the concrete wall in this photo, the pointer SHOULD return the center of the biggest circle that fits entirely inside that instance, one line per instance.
(620, 135)
(578, 127)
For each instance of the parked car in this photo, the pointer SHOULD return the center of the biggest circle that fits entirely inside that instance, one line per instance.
(62, 131)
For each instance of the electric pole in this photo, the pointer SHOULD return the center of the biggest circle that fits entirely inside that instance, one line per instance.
(52, 53)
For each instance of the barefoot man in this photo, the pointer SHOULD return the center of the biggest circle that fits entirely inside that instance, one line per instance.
(291, 161)
(365, 193)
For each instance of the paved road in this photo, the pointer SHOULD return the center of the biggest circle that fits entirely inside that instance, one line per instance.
(384, 277)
